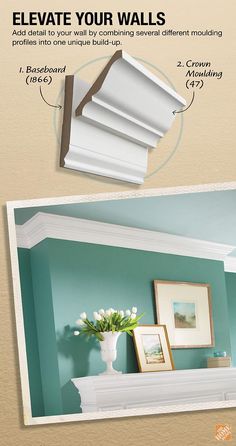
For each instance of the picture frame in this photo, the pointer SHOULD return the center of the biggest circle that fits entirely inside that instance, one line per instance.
(186, 310)
(152, 348)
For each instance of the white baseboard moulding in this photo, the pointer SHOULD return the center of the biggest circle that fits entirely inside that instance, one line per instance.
(108, 127)
(45, 225)
(156, 389)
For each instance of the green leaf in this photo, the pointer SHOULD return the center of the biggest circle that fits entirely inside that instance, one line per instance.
(99, 336)
(91, 325)
(139, 317)
(131, 327)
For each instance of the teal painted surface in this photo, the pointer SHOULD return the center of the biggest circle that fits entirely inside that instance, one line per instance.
(231, 290)
(71, 277)
(207, 215)
(44, 315)
(88, 277)
(31, 334)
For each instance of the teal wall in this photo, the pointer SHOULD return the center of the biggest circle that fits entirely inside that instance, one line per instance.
(31, 334)
(40, 331)
(71, 277)
(44, 314)
(231, 292)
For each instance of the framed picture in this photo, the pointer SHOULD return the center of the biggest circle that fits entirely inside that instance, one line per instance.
(153, 348)
(185, 308)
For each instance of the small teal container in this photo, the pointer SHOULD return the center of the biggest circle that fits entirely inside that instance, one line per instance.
(220, 354)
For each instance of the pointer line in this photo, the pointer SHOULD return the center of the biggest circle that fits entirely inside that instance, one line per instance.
(50, 105)
(181, 111)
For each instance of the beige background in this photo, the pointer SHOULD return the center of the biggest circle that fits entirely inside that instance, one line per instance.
(29, 169)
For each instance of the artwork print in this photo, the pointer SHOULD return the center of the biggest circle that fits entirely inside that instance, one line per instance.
(184, 314)
(152, 348)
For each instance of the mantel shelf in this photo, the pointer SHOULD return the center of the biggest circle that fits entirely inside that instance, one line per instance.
(134, 390)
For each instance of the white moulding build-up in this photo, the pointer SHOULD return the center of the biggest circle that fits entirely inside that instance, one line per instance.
(108, 127)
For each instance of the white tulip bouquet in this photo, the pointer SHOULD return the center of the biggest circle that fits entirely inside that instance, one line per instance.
(108, 320)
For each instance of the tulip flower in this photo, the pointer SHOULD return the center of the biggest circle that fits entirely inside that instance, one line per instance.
(109, 320)
(80, 322)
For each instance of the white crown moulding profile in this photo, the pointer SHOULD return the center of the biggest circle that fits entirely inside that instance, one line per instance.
(44, 225)
(108, 127)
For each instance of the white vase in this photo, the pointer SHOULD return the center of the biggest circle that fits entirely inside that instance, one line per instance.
(109, 351)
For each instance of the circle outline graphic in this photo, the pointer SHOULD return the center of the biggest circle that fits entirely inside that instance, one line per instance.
(180, 133)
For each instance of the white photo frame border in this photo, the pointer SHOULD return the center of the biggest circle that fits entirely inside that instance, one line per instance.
(185, 292)
(160, 330)
(23, 366)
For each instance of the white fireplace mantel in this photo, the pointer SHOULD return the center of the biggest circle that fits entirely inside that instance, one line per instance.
(143, 390)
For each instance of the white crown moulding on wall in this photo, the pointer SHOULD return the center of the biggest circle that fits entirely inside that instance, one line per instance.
(108, 127)
(44, 225)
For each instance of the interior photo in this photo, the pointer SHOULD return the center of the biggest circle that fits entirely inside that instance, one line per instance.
(128, 303)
